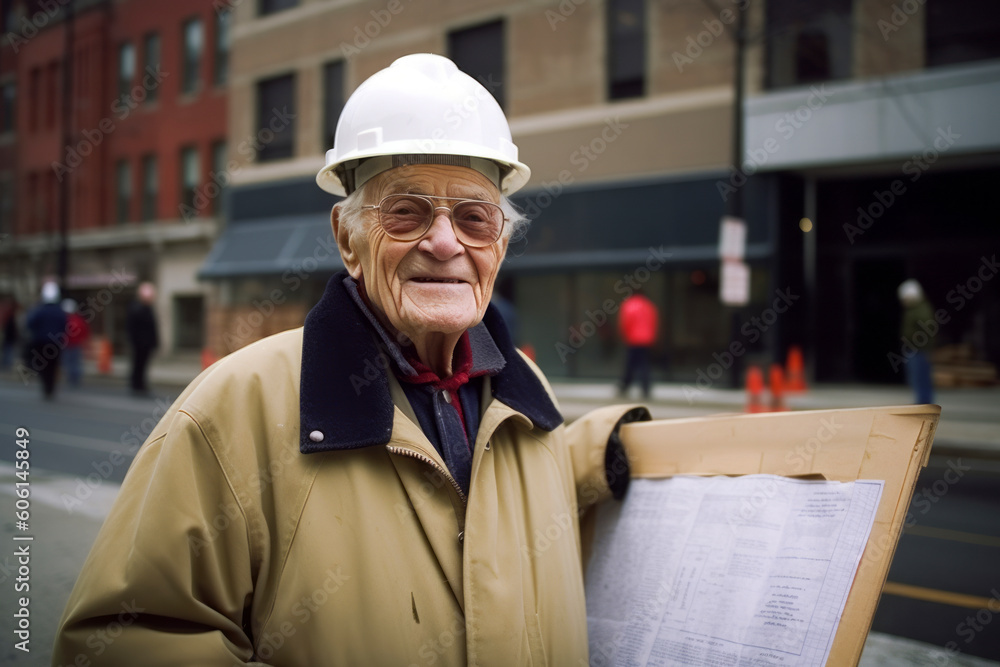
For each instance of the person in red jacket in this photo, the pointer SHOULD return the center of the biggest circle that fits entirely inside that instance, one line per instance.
(638, 321)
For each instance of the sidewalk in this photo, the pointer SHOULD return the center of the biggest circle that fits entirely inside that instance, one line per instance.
(970, 418)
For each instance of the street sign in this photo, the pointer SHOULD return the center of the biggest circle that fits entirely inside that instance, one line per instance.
(734, 285)
(732, 238)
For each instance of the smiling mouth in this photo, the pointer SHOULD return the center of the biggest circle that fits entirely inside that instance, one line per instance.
(438, 280)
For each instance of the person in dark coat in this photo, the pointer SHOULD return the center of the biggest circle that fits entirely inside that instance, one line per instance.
(143, 336)
(47, 330)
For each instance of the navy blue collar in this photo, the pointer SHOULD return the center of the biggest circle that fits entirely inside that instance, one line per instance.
(344, 399)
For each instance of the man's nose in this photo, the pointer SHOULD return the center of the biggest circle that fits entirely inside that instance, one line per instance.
(440, 239)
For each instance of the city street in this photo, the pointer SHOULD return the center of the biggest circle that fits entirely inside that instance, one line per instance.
(944, 586)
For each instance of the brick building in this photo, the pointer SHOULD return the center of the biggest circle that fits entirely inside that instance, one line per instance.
(147, 128)
(623, 109)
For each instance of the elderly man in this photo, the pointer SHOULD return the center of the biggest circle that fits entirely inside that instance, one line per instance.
(391, 484)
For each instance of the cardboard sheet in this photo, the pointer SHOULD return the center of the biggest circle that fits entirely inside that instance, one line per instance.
(891, 444)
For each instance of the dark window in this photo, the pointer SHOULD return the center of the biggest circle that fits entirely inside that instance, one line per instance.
(123, 190)
(276, 127)
(333, 100)
(271, 6)
(219, 176)
(194, 42)
(6, 205)
(150, 186)
(8, 108)
(151, 62)
(126, 69)
(478, 51)
(223, 21)
(960, 31)
(189, 322)
(626, 22)
(807, 42)
(190, 176)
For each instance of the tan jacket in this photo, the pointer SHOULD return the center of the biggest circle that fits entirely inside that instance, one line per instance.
(227, 545)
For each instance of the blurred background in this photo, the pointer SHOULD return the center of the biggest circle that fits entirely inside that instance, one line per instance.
(181, 148)
(855, 144)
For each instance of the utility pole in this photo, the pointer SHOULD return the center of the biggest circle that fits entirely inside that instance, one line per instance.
(734, 203)
(67, 139)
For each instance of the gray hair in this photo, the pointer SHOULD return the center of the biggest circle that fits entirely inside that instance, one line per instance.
(351, 213)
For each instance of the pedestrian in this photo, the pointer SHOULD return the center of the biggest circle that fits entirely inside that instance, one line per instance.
(638, 322)
(11, 335)
(46, 325)
(77, 335)
(916, 311)
(143, 336)
(391, 481)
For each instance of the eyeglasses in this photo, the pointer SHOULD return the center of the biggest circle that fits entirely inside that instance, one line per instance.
(407, 217)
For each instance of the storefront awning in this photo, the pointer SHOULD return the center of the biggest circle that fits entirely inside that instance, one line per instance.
(272, 246)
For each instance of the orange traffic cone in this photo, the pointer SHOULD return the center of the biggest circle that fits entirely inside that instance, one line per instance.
(796, 370)
(777, 389)
(104, 357)
(529, 351)
(755, 389)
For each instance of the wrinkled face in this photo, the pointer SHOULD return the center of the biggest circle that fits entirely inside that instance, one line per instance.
(434, 284)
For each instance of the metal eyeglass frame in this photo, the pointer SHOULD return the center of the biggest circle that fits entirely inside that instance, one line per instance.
(451, 215)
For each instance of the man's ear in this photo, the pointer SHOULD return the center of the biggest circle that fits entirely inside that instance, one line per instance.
(342, 235)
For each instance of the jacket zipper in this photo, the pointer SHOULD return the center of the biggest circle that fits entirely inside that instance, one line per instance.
(429, 461)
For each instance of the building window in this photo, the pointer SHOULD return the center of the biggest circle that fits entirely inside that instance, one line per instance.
(223, 21)
(961, 31)
(626, 25)
(9, 108)
(333, 100)
(271, 6)
(151, 59)
(126, 69)
(190, 176)
(194, 42)
(275, 122)
(150, 187)
(478, 51)
(220, 177)
(807, 41)
(123, 190)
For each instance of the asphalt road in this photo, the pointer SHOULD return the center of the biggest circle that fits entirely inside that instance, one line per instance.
(944, 584)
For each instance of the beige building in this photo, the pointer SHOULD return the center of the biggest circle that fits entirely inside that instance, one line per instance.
(623, 109)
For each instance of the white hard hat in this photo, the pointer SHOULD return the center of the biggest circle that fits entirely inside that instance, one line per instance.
(421, 110)
(910, 291)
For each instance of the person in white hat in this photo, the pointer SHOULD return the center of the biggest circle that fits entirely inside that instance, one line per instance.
(391, 484)
(46, 324)
(917, 340)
